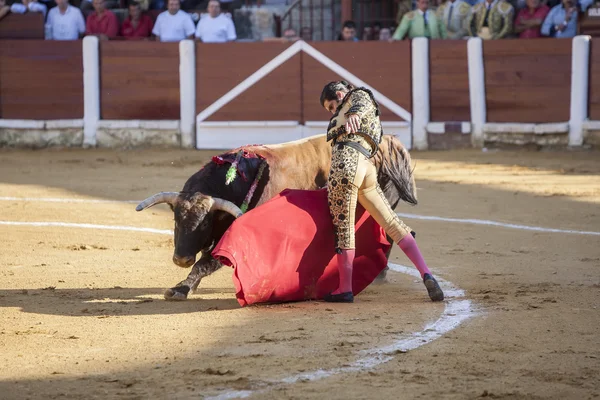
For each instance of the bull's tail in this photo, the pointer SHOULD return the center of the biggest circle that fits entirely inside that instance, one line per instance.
(395, 173)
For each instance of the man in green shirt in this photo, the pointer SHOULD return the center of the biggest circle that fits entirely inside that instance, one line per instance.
(421, 22)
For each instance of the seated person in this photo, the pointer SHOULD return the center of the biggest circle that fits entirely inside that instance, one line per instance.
(137, 25)
(348, 33)
(173, 25)
(102, 22)
(529, 20)
(215, 27)
(65, 21)
(385, 34)
(561, 21)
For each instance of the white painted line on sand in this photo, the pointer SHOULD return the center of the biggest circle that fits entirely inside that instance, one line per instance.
(456, 311)
(496, 223)
(88, 226)
(471, 221)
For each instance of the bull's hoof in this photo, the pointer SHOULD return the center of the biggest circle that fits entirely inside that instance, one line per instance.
(382, 277)
(178, 293)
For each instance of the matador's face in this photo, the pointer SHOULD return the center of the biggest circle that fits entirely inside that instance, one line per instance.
(332, 105)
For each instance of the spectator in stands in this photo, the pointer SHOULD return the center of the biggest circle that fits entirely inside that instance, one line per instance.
(491, 19)
(348, 33)
(215, 27)
(66, 22)
(376, 30)
(421, 22)
(28, 5)
(561, 21)
(454, 15)
(367, 33)
(102, 22)
(385, 34)
(137, 25)
(173, 25)
(4, 9)
(529, 20)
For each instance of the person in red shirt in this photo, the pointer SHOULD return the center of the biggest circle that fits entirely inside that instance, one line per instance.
(102, 22)
(530, 19)
(137, 25)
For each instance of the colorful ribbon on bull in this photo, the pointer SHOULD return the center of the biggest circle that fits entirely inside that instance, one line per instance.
(234, 160)
(233, 171)
(250, 193)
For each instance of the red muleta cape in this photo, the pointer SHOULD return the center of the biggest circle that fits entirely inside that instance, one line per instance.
(284, 250)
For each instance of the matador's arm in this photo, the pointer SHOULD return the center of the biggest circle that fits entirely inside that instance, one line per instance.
(360, 103)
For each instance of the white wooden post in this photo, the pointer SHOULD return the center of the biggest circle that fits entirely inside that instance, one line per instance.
(187, 92)
(91, 89)
(476, 90)
(580, 65)
(420, 92)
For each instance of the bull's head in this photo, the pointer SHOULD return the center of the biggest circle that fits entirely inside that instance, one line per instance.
(193, 221)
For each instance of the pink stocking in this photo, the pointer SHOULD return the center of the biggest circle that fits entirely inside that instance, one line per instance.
(410, 248)
(345, 261)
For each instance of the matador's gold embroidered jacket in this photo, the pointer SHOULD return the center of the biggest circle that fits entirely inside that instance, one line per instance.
(361, 102)
(500, 18)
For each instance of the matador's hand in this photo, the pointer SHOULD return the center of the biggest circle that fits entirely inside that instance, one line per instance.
(352, 124)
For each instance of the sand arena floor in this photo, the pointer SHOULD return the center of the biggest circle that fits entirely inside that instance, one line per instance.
(82, 313)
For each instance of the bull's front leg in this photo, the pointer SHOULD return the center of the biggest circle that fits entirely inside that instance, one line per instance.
(205, 266)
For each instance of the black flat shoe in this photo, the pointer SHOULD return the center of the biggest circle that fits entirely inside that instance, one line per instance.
(433, 288)
(346, 297)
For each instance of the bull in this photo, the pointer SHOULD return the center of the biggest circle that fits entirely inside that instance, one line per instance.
(206, 206)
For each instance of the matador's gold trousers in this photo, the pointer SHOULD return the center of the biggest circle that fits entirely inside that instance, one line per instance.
(353, 177)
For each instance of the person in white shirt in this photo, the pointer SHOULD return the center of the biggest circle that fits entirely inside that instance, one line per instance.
(215, 27)
(31, 5)
(66, 22)
(173, 25)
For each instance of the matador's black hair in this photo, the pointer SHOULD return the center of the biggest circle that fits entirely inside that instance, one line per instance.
(329, 90)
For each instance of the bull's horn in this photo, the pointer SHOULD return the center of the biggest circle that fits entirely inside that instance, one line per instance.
(227, 206)
(162, 197)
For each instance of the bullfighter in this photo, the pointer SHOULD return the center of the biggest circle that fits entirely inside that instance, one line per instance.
(355, 132)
